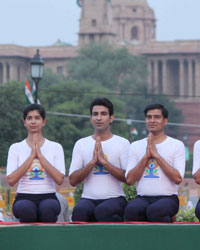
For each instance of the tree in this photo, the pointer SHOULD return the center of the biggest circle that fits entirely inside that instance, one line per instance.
(49, 78)
(104, 65)
(126, 77)
(12, 103)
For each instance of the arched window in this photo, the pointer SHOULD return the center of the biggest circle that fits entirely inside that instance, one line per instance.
(94, 22)
(134, 33)
(134, 9)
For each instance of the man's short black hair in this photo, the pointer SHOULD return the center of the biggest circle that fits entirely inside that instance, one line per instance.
(156, 106)
(32, 107)
(102, 102)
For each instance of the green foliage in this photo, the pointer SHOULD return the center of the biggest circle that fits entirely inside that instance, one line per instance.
(129, 191)
(189, 166)
(12, 103)
(78, 192)
(189, 163)
(186, 215)
(49, 78)
(188, 174)
(102, 64)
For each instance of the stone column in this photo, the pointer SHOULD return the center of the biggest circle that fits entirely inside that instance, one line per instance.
(1, 72)
(4, 73)
(190, 79)
(197, 77)
(164, 76)
(181, 77)
(156, 76)
(149, 76)
(13, 71)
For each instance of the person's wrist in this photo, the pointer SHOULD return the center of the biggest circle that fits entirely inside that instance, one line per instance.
(146, 157)
(93, 162)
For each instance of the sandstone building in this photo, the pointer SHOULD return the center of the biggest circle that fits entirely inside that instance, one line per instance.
(173, 67)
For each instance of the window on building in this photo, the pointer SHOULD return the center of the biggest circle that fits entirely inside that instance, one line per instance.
(134, 33)
(134, 9)
(94, 22)
(60, 69)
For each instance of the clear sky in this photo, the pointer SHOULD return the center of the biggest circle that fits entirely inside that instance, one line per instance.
(42, 22)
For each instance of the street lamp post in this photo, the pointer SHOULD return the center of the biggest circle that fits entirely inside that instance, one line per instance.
(37, 65)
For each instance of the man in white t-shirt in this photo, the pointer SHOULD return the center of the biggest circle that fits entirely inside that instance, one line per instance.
(196, 172)
(157, 164)
(100, 161)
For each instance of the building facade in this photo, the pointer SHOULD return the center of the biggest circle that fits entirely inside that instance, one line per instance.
(15, 60)
(173, 67)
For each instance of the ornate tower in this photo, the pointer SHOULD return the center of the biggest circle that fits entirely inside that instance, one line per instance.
(96, 23)
(134, 21)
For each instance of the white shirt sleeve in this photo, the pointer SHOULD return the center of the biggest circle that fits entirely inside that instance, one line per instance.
(12, 160)
(132, 158)
(179, 159)
(124, 155)
(59, 159)
(196, 157)
(77, 159)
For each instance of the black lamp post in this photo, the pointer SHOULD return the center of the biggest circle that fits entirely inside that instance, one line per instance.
(37, 64)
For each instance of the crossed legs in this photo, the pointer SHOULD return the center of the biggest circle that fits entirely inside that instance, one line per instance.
(153, 209)
(99, 210)
(29, 211)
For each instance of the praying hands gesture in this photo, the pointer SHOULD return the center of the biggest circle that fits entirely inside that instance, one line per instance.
(98, 154)
(151, 150)
(78, 176)
(36, 153)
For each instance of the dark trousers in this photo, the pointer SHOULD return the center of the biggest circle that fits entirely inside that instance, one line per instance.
(197, 210)
(36, 207)
(152, 208)
(99, 210)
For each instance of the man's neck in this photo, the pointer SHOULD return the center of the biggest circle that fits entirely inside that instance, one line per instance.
(103, 136)
(158, 138)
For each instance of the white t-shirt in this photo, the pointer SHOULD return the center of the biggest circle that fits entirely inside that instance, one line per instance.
(196, 157)
(36, 180)
(100, 184)
(154, 181)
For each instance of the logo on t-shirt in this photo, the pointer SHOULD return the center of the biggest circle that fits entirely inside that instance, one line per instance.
(151, 170)
(99, 168)
(36, 170)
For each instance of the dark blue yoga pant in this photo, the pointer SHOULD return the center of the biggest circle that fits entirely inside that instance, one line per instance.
(153, 209)
(197, 210)
(44, 209)
(99, 210)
